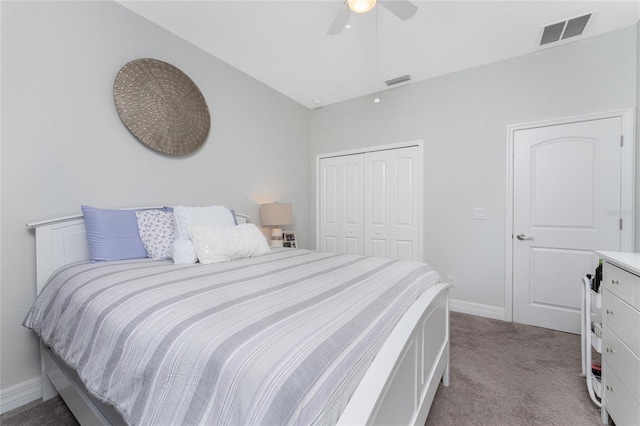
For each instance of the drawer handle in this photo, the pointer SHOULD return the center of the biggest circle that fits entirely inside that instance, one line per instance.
(614, 282)
(610, 311)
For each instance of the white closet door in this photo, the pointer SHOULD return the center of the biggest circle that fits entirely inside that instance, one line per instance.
(341, 203)
(392, 187)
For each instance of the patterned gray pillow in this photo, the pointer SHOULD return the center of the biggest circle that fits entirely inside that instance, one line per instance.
(156, 229)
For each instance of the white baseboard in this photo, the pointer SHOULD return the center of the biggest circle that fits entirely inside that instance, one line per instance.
(20, 394)
(477, 309)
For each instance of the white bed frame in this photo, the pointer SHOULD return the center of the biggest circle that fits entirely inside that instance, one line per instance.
(398, 388)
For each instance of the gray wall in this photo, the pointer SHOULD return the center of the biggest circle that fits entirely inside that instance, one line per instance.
(463, 118)
(64, 145)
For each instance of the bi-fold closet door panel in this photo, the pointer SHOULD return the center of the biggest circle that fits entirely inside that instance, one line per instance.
(341, 204)
(392, 187)
(370, 204)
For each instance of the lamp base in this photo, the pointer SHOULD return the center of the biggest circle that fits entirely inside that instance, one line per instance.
(276, 237)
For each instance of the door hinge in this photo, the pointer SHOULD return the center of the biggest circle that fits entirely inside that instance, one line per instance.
(621, 141)
(621, 224)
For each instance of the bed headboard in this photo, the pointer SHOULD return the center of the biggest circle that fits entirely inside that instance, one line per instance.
(64, 240)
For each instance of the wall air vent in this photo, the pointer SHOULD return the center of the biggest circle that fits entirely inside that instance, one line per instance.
(564, 30)
(398, 80)
(576, 26)
(552, 33)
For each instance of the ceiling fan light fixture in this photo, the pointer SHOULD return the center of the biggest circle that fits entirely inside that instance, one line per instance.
(361, 6)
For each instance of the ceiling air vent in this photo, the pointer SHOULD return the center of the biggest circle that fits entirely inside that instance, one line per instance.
(398, 80)
(561, 31)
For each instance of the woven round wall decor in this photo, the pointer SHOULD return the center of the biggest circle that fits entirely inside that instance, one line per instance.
(161, 106)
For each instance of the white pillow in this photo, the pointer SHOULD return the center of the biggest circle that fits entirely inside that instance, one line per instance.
(186, 217)
(183, 252)
(216, 245)
(156, 232)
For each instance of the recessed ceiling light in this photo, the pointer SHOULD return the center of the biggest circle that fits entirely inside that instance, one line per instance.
(376, 100)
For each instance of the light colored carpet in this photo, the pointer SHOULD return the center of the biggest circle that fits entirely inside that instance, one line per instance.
(49, 413)
(501, 374)
(504, 373)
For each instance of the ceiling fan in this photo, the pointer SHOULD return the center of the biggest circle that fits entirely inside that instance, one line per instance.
(403, 9)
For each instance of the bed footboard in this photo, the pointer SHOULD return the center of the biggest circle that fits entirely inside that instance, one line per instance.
(402, 380)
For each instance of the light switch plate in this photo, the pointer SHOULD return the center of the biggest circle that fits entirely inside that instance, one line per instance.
(479, 213)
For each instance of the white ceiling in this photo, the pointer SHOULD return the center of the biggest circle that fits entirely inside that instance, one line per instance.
(284, 44)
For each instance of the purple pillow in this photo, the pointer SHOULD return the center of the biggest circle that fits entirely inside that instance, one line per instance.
(112, 234)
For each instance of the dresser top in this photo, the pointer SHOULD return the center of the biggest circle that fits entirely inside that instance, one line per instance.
(625, 260)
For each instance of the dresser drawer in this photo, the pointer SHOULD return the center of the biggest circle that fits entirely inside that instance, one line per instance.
(623, 284)
(621, 361)
(622, 319)
(618, 401)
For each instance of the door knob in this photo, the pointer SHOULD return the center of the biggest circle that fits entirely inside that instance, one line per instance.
(523, 237)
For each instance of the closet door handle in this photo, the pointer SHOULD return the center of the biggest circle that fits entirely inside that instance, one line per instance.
(523, 237)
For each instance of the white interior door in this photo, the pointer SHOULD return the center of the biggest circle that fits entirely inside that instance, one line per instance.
(341, 204)
(567, 202)
(392, 189)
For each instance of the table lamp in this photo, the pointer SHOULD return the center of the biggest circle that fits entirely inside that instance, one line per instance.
(276, 215)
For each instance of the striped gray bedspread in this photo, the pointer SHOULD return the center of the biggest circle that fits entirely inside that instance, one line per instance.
(279, 339)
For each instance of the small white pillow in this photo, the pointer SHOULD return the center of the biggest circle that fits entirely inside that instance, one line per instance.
(183, 252)
(186, 217)
(156, 232)
(216, 245)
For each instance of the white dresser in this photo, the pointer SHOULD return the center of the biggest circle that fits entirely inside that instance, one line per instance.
(621, 337)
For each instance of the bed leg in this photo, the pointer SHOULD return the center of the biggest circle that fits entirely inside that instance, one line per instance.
(445, 374)
(48, 390)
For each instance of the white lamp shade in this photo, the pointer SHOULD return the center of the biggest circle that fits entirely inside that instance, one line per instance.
(276, 214)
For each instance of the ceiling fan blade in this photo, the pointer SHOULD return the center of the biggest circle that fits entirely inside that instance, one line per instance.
(340, 20)
(403, 9)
